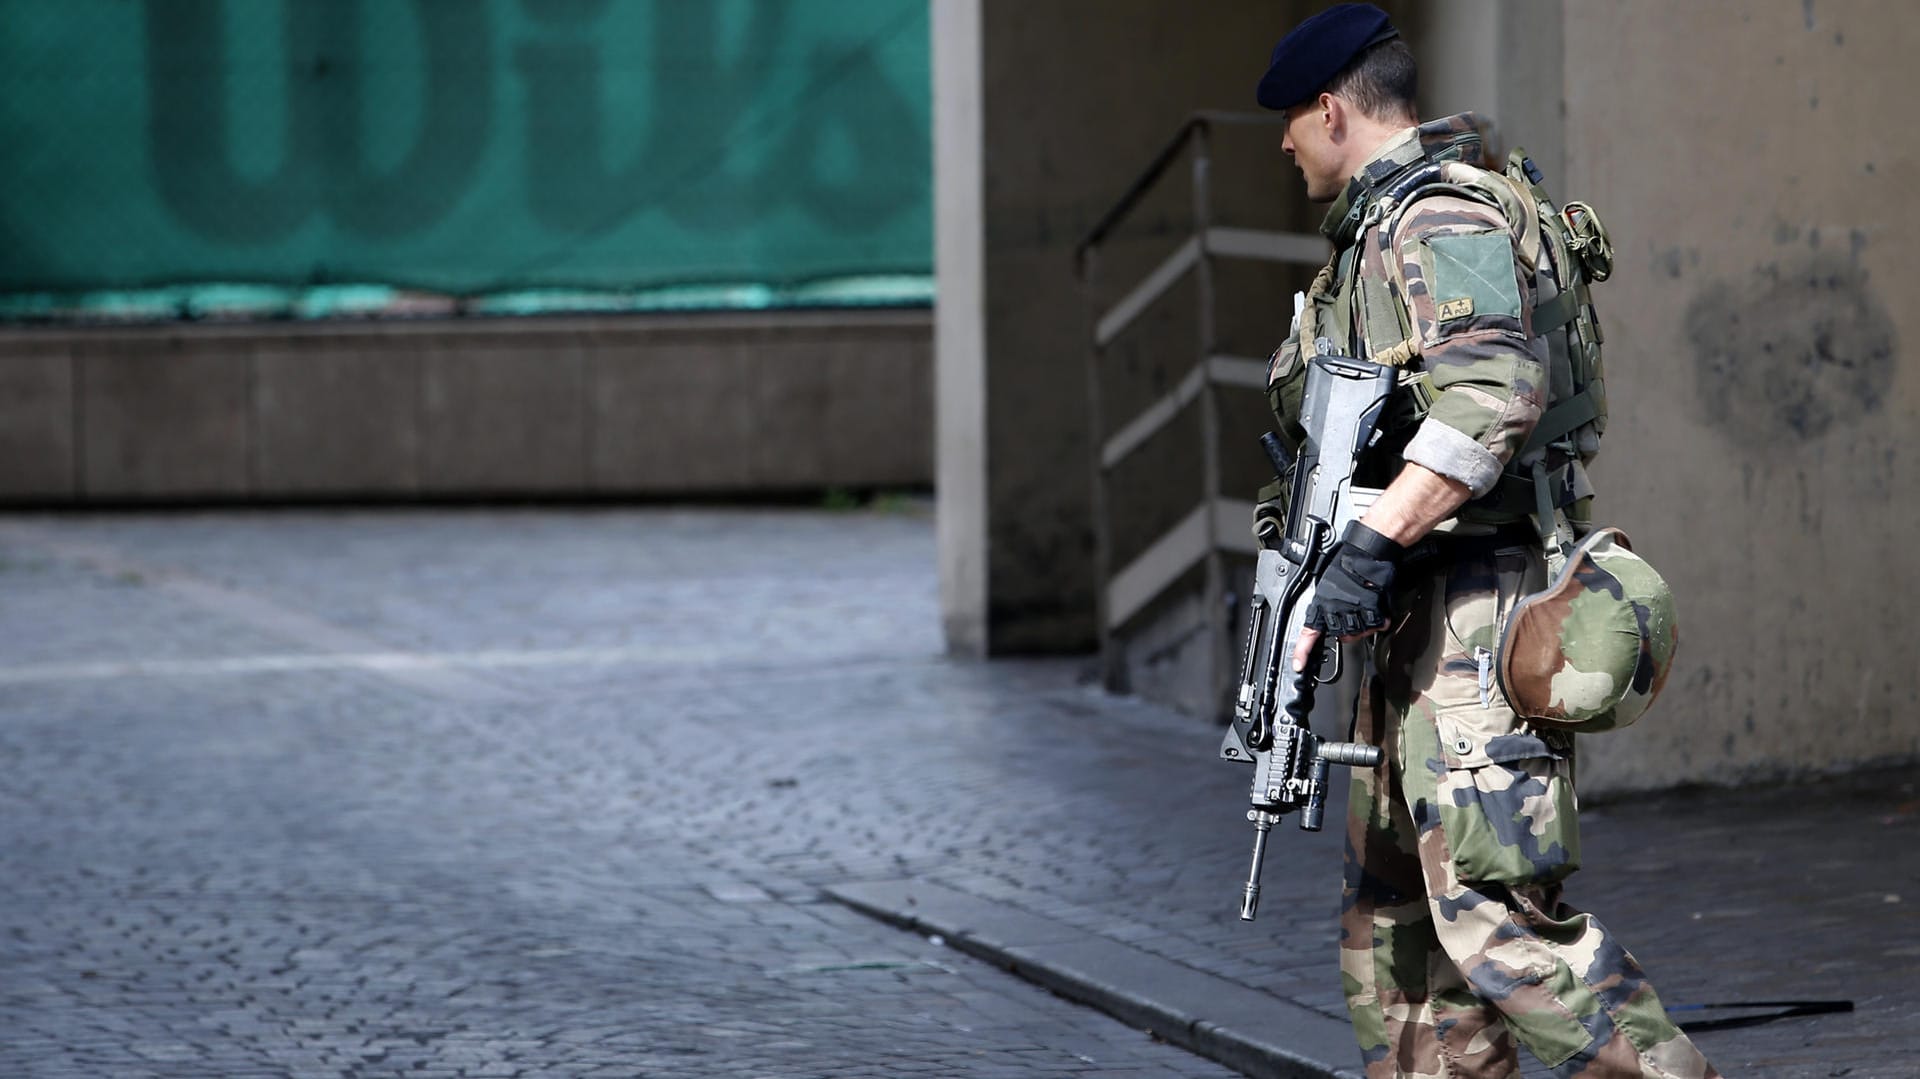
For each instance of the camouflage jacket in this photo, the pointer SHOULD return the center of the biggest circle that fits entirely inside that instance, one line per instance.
(1441, 284)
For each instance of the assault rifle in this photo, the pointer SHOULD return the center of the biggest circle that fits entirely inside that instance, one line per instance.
(1276, 710)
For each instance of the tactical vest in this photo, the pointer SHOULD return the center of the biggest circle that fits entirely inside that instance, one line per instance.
(1565, 249)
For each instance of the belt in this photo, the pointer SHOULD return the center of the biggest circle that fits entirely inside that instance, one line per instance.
(1437, 547)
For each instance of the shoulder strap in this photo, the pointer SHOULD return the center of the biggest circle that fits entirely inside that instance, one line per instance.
(1561, 420)
(1391, 336)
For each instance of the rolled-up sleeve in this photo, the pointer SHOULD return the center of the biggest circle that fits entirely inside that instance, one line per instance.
(1471, 299)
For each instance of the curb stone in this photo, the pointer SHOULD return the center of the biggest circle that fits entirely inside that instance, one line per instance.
(1250, 1031)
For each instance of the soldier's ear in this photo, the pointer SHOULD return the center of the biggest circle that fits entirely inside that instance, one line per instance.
(1331, 113)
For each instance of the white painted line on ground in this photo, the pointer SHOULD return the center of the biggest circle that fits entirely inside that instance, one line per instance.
(677, 659)
(257, 611)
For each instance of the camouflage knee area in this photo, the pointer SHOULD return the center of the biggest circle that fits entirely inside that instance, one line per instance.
(1473, 1036)
(1569, 992)
(1432, 1027)
(1632, 1034)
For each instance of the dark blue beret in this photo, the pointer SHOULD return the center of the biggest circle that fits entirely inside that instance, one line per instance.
(1309, 57)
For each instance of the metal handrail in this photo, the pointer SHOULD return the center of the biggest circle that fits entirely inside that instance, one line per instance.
(1198, 122)
(1206, 532)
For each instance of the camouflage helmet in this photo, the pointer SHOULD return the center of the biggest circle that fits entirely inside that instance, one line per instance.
(1591, 650)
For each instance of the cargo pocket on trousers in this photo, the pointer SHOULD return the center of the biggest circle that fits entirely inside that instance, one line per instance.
(1509, 814)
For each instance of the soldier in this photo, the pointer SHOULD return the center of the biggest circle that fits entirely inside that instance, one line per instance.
(1456, 942)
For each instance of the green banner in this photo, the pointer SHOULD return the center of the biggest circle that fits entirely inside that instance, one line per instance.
(749, 148)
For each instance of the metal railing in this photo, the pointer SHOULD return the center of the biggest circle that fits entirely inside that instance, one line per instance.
(1215, 526)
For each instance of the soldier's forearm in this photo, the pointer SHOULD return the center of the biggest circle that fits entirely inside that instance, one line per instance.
(1417, 500)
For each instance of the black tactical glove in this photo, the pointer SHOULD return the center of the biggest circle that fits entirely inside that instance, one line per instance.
(1351, 597)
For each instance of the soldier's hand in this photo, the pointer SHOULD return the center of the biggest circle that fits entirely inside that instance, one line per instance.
(1350, 600)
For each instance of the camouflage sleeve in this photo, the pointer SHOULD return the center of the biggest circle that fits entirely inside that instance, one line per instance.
(1471, 301)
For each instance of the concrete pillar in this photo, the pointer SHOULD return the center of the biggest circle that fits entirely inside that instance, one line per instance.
(1503, 59)
(1457, 47)
(960, 367)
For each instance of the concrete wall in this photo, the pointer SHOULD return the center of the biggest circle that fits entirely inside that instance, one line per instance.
(515, 408)
(1755, 171)
(1748, 159)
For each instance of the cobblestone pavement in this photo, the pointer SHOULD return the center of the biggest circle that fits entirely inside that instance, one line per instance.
(246, 829)
(553, 793)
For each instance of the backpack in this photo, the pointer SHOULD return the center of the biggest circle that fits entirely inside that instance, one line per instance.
(1575, 243)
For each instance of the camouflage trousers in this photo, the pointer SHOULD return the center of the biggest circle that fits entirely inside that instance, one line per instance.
(1455, 942)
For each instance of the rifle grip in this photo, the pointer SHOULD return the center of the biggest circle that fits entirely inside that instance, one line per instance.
(1305, 682)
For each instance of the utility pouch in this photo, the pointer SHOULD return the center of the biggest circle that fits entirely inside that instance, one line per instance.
(1588, 239)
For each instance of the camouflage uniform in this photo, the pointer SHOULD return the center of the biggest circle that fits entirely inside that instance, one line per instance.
(1455, 942)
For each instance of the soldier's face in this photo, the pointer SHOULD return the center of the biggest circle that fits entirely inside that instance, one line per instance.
(1308, 141)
